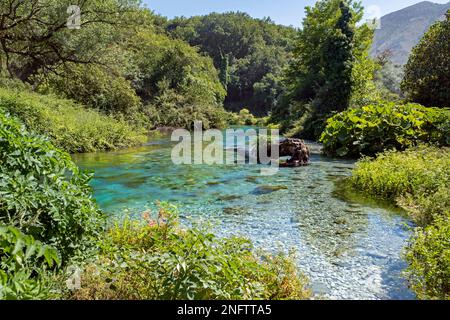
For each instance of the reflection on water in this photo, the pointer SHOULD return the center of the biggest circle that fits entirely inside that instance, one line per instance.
(349, 248)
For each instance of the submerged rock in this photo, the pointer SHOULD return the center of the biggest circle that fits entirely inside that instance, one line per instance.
(234, 210)
(229, 198)
(267, 189)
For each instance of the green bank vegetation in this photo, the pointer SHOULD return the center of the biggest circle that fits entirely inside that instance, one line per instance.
(50, 223)
(418, 180)
(128, 71)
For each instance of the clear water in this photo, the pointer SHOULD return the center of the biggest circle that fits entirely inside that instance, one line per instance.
(349, 247)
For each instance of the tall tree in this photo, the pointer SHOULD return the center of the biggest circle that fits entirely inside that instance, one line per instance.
(427, 73)
(338, 64)
(34, 35)
(246, 51)
(330, 70)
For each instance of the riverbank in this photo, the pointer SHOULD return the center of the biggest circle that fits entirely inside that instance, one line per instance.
(348, 249)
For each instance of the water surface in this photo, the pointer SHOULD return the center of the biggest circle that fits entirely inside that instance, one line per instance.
(348, 247)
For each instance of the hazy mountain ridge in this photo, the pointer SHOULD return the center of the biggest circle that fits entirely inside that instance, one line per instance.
(401, 30)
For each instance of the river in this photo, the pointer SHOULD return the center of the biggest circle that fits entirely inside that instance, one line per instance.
(348, 246)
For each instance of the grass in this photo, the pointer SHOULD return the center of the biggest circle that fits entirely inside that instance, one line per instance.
(70, 126)
(157, 259)
(418, 180)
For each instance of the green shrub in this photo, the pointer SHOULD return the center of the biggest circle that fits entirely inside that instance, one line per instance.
(68, 125)
(159, 260)
(175, 110)
(429, 260)
(410, 178)
(23, 262)
(418, 179)
(43, 193)
(94, 87)
(375, 128)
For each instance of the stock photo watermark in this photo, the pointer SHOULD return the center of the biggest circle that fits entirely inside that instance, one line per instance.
(74, 19)
(235, 147)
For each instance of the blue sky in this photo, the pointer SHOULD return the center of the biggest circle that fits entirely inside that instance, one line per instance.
(288, 12)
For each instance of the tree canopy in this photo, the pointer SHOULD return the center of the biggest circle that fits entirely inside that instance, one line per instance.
(331, 69)
(427, 73)
(249, 53)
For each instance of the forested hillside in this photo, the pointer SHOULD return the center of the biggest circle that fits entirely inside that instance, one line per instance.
(250, 55)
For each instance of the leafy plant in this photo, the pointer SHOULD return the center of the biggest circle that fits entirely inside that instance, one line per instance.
(418, 179)
(429, 260)
(23, 262)
(159, 260)
(383, 126)
(427, 79)
(69, 125)
(44, 194)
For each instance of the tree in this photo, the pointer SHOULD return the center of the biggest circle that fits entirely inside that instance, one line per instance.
(338, 63)
(34, 36)
(331, 69)
(427, 73)
(244, 50)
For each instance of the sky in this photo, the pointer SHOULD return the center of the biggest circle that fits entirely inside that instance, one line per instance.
(287, 12)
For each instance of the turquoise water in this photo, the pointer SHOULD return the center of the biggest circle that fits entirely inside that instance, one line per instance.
(349, 247)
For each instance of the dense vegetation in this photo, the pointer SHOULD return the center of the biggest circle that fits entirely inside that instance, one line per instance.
(331, 69)
(43, 193)
(384, 126)
(69, 125)
(48, 222)
(120, 63)
(155, 259)
(427, 73)
(249, 54)
(418, 180)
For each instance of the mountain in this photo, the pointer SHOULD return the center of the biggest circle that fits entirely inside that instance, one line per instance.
(401, 30)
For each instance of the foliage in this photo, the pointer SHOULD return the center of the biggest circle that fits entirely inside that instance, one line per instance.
(69, 125)
(174, 110)
(418, 180)
(388, 77)
(44, 194)
(383, 126)
(23, 262)
(427, 79)
(249, 54)
(165, 64)
(414, 173)
(120, 62)
(94, 87)
(429, 258)
(331, 69)
(35, 36)
(159, 260)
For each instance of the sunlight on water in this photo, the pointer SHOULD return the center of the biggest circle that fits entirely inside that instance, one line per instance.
(350, 248)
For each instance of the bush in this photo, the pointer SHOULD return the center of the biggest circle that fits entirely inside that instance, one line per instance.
(429, 260)
(69, 125)
(174, 110)
(44, 194)
(375, 128)
(95, 87)
(426, 79)
(158, 260)
(411, 178)
(418, 179)
(23, 262)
